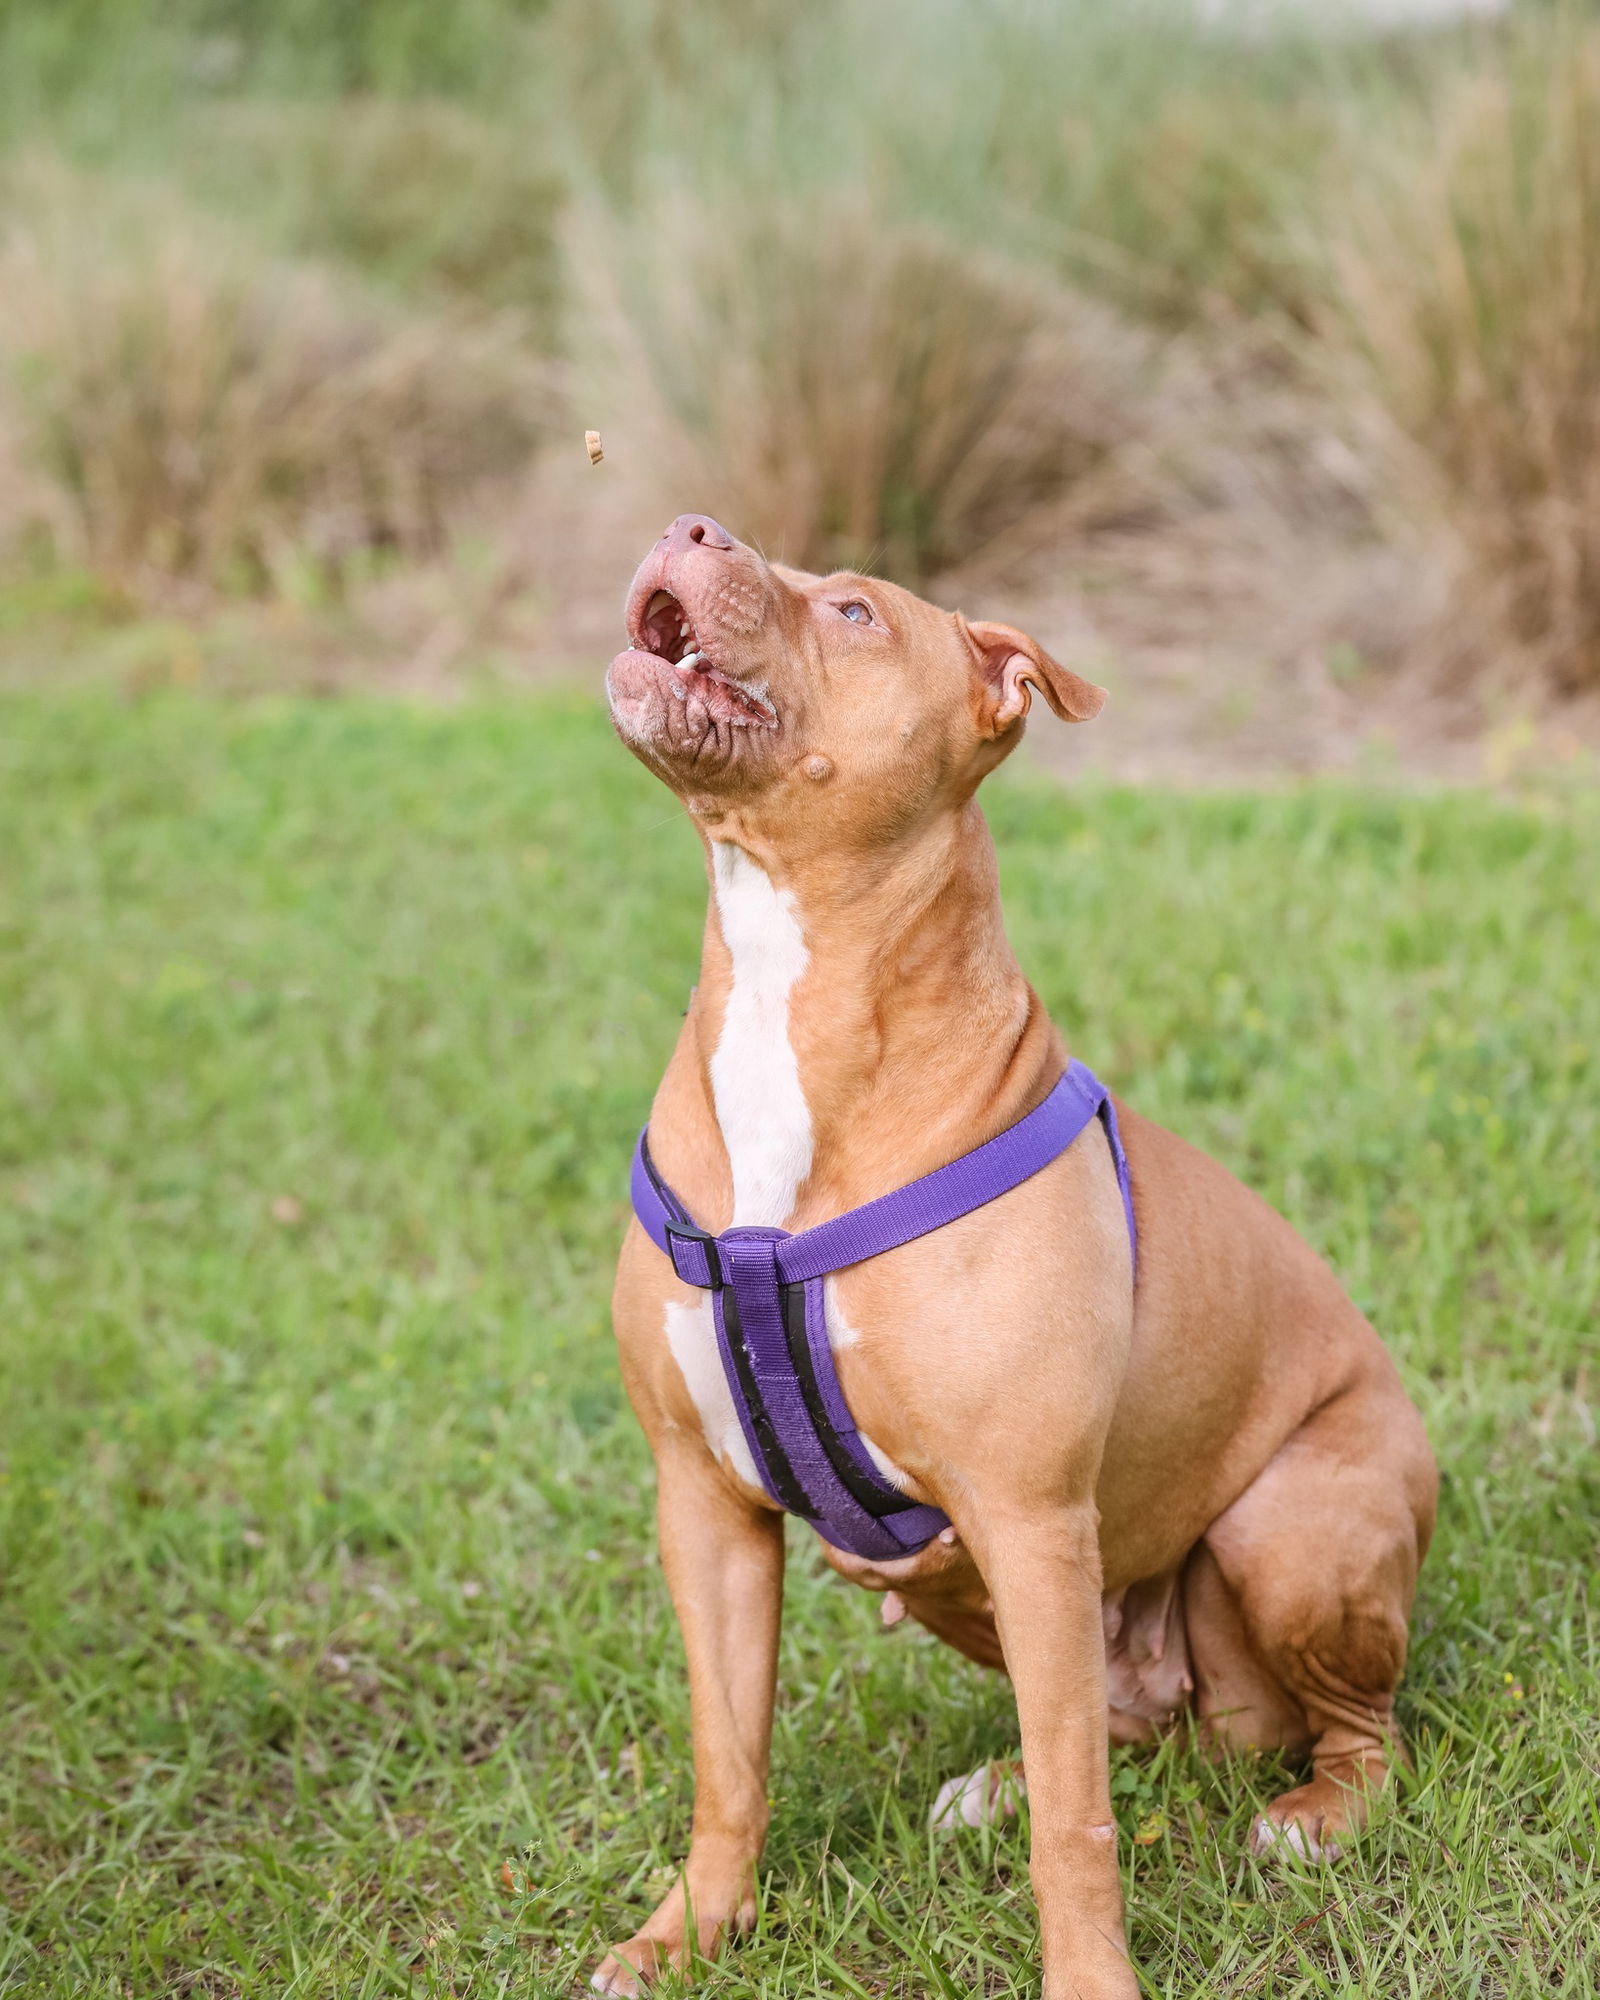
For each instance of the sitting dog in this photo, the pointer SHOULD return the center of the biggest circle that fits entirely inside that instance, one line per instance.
(1089, 1409)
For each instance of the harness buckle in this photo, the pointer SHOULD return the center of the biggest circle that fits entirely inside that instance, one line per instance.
(694, 1255)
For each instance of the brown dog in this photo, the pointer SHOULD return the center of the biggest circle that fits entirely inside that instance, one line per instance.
(1211, 1497)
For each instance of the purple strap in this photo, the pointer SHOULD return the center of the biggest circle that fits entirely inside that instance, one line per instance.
(771, 1324)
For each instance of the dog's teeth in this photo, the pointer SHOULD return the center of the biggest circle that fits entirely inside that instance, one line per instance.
(688, 663)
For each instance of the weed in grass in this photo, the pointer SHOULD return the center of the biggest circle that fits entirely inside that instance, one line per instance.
(326, 1530)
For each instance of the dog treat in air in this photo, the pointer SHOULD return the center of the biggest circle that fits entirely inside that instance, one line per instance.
(596, 450)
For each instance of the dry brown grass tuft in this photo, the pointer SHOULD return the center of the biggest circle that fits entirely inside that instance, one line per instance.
(420, 194)
(1468, 292)
(856, 390)
(190, 410)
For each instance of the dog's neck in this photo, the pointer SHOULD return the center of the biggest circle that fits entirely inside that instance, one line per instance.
(859, 1019)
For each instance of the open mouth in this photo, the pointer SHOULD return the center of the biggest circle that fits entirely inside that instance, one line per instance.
(665, 630)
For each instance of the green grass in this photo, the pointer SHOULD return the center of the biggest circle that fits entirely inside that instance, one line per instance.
(328, 1563)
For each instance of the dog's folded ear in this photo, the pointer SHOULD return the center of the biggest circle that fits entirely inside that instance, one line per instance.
(1009, 663)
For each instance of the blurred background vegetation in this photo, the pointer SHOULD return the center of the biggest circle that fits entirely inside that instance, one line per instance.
(301, 303)
(1258, 371)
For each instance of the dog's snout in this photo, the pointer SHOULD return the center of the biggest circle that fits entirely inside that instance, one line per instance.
(697, 529)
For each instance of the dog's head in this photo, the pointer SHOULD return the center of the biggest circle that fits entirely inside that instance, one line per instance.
(770, 693)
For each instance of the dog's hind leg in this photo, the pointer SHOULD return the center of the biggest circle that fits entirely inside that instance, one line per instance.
(1297, 1603)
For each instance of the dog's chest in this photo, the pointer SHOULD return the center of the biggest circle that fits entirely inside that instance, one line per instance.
(765, 1122)
(755, 1080)
(691, 1333)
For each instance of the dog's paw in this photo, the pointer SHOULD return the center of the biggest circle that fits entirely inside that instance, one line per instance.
(990, 1793)
(1321, 1820)
(1296, 1836)
(627, 1969)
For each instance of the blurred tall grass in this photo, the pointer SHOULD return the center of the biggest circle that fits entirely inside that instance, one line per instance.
(893, 283)
(1465, 284)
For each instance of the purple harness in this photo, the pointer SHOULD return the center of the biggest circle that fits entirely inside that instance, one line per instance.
(766, 1288)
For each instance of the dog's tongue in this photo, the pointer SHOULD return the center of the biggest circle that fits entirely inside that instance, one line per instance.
(667, 629)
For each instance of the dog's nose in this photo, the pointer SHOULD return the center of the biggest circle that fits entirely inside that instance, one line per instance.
(697, 528)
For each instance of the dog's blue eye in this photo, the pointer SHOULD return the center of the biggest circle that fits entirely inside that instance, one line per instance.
(858, 614)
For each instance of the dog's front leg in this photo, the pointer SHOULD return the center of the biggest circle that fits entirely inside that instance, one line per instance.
(723, 1557)
(1043, 1569)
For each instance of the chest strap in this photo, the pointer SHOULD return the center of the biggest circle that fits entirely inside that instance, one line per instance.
(772, 1332)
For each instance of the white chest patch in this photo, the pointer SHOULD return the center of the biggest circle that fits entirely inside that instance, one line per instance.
(765, 1125)
(692, 1336)
(755, 1081)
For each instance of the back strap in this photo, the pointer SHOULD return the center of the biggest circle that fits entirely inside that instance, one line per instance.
(978, 1177)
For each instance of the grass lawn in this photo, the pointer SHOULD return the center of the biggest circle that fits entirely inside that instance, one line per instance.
(329, 1580)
